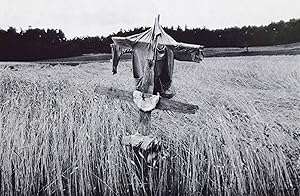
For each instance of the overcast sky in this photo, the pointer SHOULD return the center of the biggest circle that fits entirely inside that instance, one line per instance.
(102, 17)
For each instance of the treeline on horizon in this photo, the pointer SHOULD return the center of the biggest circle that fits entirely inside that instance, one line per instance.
(38, 44)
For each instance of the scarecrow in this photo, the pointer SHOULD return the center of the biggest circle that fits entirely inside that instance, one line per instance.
(153, 53)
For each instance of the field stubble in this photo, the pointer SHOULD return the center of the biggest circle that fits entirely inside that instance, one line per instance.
(58, 136)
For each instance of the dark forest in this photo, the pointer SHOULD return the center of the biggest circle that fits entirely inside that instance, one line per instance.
(38, 44)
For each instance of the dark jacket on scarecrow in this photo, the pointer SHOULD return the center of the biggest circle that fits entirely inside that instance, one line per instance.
(157, 47)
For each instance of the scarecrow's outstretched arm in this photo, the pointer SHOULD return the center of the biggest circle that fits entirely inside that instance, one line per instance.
(117, 51)
(188, 52)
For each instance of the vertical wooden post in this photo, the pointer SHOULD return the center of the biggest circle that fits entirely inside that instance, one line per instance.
(145, 123)
(147, 87)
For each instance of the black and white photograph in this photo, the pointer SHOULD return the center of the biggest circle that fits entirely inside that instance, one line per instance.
(150, 98)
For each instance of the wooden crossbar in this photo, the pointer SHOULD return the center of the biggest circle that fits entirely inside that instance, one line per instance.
(163, 104)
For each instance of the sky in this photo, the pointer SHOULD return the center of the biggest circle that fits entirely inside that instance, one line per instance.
(79, 18)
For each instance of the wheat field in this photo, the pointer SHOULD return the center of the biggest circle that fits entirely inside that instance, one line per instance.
(58, 137)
